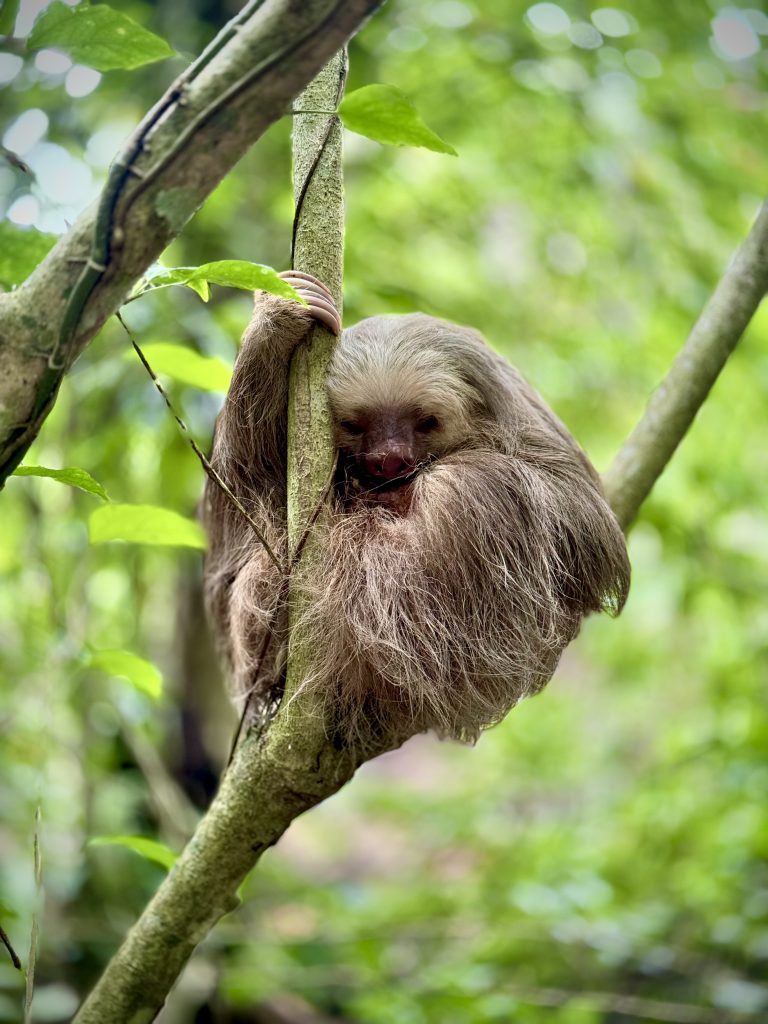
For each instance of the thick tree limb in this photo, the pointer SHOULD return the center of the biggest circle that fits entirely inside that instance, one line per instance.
(268, 784)
(273, 778)
(673, 406)
(198, 131)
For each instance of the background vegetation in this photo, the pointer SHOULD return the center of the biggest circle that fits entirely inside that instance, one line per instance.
(610, 837)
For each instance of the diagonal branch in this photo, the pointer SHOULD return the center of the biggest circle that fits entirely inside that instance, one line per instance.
(673, 406)
(196, 133)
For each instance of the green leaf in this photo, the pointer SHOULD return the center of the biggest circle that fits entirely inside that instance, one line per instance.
(144, 524)
(21, 249)
(9, 10)
(187, 366)
(97, 36)
(202, 288)
(228, 273)
(385, 114)
(150, 849)
(70, 475)
(142, 674)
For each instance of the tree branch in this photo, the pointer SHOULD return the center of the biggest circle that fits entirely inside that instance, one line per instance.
(276, 776)
(269, 783)
(673, 406)
(205, 122)
(318, 249)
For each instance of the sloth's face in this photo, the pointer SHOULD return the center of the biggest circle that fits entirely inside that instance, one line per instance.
(381, 450)
(400, 400)
(390, 443)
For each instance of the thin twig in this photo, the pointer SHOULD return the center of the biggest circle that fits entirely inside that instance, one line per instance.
(285, 574)
(29, 990)
(265, 645)
(11, 951)
(211, 472)
(281, 601)
(324, 494)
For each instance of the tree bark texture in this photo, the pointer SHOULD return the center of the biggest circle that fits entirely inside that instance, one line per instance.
(276, 776)
(182, 150)
(318, 249)
(673, 406)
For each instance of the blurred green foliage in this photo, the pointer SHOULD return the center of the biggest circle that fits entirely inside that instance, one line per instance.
(611, 836)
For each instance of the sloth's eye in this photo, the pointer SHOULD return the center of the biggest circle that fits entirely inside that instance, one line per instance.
(351, 427)
(428, 424)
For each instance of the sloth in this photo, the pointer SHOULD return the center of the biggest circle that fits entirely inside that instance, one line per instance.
(466, 539)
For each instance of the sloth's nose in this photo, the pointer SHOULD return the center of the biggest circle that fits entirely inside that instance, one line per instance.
(393, 465)
(390, 465)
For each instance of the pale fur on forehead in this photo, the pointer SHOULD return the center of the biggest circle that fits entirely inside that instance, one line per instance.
(401, 362)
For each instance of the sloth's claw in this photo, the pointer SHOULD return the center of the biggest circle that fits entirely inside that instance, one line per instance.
(318, 298)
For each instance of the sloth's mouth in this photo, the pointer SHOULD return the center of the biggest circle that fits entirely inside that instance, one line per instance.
(396, 483)
(394, 493)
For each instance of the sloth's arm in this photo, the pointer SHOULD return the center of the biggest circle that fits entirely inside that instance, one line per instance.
(249, 443)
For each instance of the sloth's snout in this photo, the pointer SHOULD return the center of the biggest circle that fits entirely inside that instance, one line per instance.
(390, 464)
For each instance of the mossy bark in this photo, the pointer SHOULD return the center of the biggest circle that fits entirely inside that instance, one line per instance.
(318, 249)
(276, 776)
(209, 124)
(673, 406)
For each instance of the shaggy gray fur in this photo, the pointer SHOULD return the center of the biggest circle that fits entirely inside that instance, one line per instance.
(440, 618)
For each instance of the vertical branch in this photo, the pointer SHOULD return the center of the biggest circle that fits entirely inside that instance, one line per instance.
(318, 249)
(279, 774)
(673, 406)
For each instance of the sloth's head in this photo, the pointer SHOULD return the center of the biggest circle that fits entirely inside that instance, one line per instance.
(399, 397)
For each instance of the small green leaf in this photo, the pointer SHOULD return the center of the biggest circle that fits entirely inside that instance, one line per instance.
(246, 275)
(202, 288)
(144, 524)
(21, 249)
(142, 674)
(150, 849)
(385, 114)
(97, 36)
(9, 11)
(187, 366)
(228, 273)
(70, 475)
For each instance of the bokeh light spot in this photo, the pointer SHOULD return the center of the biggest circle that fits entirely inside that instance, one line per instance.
(26, 131)
(584, 35)
(643, 63)
(81, 81)
(451, 14)
(612, 22)
(52, 62)
(10, 66)
(549, 19)
(733, 35)
(24, 211)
